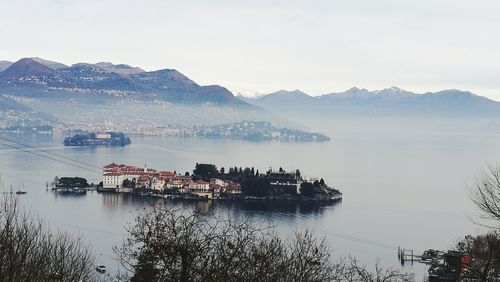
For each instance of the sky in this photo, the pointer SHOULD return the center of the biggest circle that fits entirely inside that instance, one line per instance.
(260, 46)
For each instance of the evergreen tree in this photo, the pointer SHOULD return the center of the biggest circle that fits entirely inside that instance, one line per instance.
(307, 189)
(205, 171)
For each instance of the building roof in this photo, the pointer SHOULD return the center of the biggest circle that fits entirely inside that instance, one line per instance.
(167, 173)
(111, 165)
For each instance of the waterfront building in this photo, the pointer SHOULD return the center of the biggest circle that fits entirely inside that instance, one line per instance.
(115, 175)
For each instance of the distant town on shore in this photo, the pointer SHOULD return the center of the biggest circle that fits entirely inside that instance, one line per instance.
(245, 130)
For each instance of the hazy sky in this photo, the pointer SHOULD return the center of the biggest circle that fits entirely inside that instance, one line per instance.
(263, 46)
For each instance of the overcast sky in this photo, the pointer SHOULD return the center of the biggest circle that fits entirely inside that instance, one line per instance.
(266, 45)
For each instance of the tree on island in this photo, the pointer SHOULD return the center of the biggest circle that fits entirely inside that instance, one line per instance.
(205, 171)
(307, 189)
(72, 182)
(257, 187)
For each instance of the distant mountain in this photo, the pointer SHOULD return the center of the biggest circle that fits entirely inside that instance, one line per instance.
(51, 64)
(283, 95)
(290, 101)
(38, 78)
(28, 73)
(387, 102)
(4, 65)
(120, 68)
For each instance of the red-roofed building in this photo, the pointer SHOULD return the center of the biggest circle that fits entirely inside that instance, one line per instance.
(111, 165)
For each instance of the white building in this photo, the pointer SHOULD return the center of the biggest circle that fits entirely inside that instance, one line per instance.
(112, 180)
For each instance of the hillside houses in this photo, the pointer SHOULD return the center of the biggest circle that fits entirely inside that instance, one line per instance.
(125, 178)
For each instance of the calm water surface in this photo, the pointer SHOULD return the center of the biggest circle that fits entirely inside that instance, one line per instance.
(400, 189)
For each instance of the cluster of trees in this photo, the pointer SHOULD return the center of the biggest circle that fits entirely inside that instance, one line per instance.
(253, 183)
(72, 182)
(258, 187)
(29, 251)
(207, 171)
(485, 251)
(309, 189)
(166, 245)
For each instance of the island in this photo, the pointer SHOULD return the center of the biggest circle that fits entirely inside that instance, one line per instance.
(71, 185)
(97, 138)
(208, 182)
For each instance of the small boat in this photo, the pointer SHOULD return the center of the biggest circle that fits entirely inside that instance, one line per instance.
(21, 192)
(101, 268)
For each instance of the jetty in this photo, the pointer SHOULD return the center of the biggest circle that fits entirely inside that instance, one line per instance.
(443, 265)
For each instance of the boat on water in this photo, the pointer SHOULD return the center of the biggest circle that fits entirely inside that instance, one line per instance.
(21, 192)
(101, 268)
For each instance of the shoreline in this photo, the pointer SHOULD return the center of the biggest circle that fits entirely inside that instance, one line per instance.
(288, 198)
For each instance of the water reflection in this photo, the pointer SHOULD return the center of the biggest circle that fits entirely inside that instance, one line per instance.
(291, 208)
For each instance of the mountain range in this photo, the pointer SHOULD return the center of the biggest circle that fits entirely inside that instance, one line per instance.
(130, 95)
(387, 102)
(39, 78)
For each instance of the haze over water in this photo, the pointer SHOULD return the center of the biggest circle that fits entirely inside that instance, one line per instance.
(404, 188)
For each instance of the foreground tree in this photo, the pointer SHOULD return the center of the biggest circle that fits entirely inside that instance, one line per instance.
(168, 245)
(485, 249)
(486, 193)
(29, 251)
(351, 270)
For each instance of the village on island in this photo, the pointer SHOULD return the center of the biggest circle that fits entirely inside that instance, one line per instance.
(206, 182)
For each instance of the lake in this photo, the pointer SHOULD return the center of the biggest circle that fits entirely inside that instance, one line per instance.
(401, 187)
